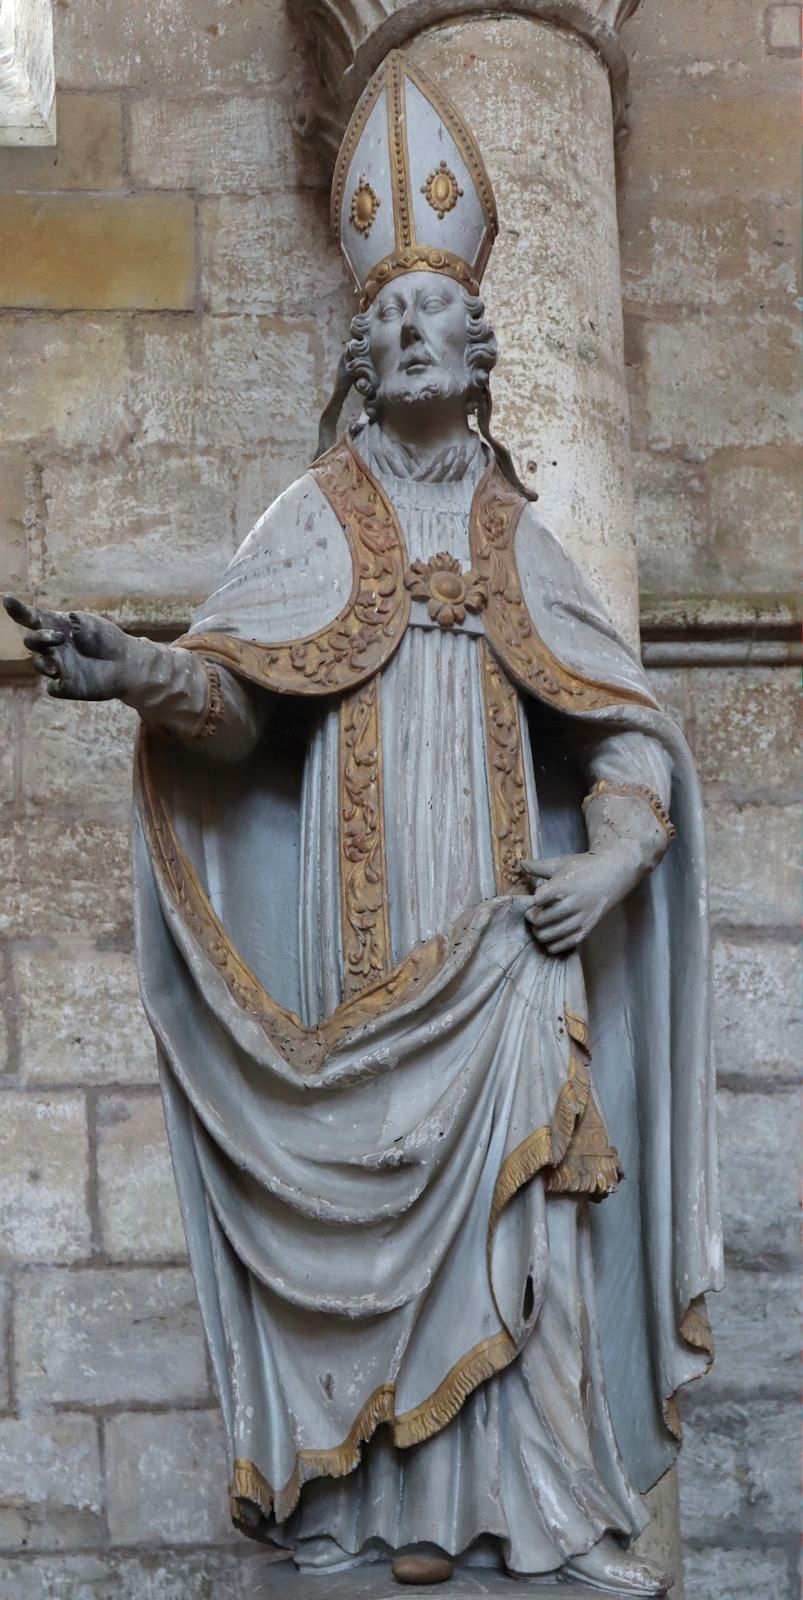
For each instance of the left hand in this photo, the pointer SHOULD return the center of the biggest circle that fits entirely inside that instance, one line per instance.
(576, 892)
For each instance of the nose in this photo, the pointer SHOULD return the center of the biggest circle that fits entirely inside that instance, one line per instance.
(410, 330)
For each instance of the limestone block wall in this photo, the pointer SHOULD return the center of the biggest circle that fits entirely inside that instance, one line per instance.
(163, 270)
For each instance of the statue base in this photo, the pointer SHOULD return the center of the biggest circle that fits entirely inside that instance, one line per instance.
(281, 1580)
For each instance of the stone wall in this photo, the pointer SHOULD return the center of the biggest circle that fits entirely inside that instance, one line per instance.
(162, 268)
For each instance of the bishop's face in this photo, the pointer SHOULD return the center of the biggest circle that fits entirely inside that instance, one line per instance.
(418, 340)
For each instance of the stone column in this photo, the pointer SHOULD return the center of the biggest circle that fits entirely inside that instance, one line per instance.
(543, 86)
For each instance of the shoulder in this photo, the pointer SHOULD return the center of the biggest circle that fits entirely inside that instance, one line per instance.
(292, 575)
(548, 570)
(290, 525)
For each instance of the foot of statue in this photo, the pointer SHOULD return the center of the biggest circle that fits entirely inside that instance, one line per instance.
(615, 1571)
(326, 1556)
(419, 1567)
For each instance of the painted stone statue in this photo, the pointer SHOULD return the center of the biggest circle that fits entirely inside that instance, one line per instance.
(425, 958)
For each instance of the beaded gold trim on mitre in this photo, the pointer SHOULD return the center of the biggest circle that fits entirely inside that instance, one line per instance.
(417, 258)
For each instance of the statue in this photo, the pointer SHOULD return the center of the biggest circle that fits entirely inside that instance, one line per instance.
(425, 962)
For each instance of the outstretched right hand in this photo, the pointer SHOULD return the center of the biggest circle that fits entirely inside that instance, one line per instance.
(83, 656)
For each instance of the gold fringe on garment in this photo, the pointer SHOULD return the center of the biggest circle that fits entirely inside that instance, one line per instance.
(572, 1151)
(481, 1363)
(412, 1427)
(696, 1329)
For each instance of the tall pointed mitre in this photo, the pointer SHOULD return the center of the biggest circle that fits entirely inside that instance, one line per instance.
(410, 191)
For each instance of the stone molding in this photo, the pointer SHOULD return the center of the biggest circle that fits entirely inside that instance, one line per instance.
(354, 36)
(27, 73)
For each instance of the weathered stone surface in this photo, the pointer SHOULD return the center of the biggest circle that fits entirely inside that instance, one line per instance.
(759, 1197)
(742, 1463)
(88, 154)
(783, 29)
(164, 1575)
(8, 742)
(83, 252)
(709, 144)
(180, 43)
(109, 1336)
(753, 518)
(139, 1214)
(757, 1029)
(43, 1165)
(750, 850)
(80, 1018)
(739, 1574)
(13, 552)
(542, 115)
(691, 46)
(215, 143)
(167, 1478)
(228, 382)
(66, 380)
(5, 1315)
(729, 523)
(146, 523)
(282, 1581)
(751, 365)
(755, 1322)
(66, 877)
(270, 254)
(50, 1484)
(689, 250)
(77, 754)
(745, 730)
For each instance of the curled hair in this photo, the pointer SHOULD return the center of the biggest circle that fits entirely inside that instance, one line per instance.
(481, 354)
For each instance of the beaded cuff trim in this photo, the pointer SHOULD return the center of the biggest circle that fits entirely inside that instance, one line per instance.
(213, 710)
(642, 791)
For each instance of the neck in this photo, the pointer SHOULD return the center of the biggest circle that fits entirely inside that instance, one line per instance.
(423, 429)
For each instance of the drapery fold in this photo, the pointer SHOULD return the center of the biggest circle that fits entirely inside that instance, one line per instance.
(423, 1128)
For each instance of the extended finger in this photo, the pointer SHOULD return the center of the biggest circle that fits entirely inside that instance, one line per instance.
(25, 615)
(45, 639)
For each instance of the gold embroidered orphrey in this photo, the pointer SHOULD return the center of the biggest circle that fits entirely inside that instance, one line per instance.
(369, 629)
(365, 932)
(354, 648)
(365, 203)
(442, 190)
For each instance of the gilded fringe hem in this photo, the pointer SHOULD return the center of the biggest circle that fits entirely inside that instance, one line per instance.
(412, 1427)
(695, 1328)
(595, 1171)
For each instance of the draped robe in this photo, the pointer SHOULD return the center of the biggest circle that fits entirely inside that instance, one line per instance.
(388, 1106)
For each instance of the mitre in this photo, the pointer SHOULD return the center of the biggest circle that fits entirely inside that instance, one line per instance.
(410, 191)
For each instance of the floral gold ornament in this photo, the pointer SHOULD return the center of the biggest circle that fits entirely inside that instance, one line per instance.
(448, 590)
(442, 190)
(365, 203)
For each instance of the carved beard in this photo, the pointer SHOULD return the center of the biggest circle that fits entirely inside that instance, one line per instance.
(397, 391)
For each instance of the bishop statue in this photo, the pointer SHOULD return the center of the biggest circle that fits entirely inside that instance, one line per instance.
(421, 916)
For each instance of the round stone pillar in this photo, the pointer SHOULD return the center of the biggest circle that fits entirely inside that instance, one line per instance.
(538, 100)
(543, 87)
